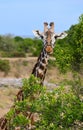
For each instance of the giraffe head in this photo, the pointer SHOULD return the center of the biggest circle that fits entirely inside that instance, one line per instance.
(49, 36)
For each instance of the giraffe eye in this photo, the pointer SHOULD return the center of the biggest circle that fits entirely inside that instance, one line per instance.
(42, 37)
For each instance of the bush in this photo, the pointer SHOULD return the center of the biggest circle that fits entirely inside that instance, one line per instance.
(13, 54)
(4, 66)
(37, 47)
(69, 51)
(58, 109)
(18, 54)
(63, 55)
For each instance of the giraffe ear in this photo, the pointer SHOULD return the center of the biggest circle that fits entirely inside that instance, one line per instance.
(61, 35)
(37, 33)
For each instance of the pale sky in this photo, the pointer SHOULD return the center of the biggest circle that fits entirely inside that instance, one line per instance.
(20, 17)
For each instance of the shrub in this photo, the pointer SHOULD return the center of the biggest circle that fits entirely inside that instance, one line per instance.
(13, 54)
(37, 46)
(58, 109)
(4, 66)
(17, 54)
(63, 55)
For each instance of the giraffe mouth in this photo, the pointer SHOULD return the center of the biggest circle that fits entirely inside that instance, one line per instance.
(49, 49)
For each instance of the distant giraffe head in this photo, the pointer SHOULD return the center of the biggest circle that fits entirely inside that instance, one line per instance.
(49, 36)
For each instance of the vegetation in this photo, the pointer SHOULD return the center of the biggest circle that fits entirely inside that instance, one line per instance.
(4, 66)
(18, 47)
(61, 108)
(69, 51)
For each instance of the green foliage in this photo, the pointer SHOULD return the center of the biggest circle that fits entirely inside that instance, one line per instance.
(81, 19)
(17, 115)
(17, 39)
(17, 54)
(38, 47)
(20, 120)
(4, 66)
(18, 47)
(31, 87)
(15, 121)
(10, 47)
(75, 39)
(77, 86)
(69, 51)
(7, 43)
(10, 114)
(63, 55)
(58, 109)
(27, 45)
(51, 63)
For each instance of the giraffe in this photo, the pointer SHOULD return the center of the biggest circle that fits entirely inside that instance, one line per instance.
(49, 38)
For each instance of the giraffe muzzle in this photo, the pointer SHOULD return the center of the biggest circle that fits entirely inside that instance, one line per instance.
(49, 49)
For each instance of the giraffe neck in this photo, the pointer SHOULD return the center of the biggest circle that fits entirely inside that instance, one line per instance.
(40, 67)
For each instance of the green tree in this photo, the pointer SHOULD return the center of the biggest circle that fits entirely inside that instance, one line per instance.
(69, 51)
(75, 39)
(7, 43)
